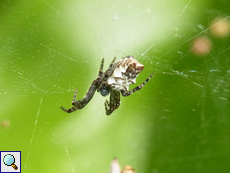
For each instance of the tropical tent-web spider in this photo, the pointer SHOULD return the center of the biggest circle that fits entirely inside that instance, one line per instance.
(113, 81)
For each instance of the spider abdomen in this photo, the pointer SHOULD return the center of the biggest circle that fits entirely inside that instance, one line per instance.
(125, 73)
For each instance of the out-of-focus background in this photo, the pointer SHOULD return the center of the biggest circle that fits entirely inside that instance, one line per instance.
(179, 122)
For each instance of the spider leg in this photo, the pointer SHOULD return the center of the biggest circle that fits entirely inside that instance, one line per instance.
(73, 102)
(101, 68)
(112, 62)
(106, 106)
(110, 69)
(64, 109)
(114, 102)
(74, 97)
(69, 110)
(79, 104)
(127, 93)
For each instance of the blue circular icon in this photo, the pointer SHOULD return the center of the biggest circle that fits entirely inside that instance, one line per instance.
(8, 159)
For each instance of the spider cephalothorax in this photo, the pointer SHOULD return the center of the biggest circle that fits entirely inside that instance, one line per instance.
(113, 81)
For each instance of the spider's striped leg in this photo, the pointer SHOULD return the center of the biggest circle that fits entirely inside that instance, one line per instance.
(106, 106)
(70, 109)
(114, 102)
(112, 62)
(79, 104)
(63, 109)
(66, 110)
(73, 103)
(101, 68)
(110, 69)
(74, 97)
(136, 88)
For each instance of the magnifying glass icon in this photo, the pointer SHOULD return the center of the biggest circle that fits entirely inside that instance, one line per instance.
(9, 160)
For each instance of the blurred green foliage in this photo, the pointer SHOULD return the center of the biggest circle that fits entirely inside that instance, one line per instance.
(179, 122)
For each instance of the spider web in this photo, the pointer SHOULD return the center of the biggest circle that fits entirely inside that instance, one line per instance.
(178, 121)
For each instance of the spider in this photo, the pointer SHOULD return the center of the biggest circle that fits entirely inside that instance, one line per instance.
(113, 81)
